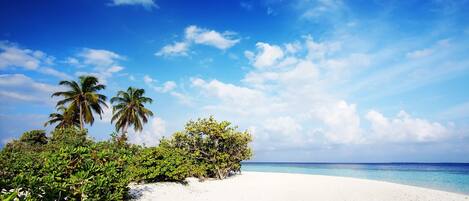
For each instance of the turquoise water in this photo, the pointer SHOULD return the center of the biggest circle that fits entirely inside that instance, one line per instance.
(452, 177)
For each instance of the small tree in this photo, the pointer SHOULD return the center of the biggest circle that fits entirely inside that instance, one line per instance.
(83, 97)
(129, 109)
(216, 146)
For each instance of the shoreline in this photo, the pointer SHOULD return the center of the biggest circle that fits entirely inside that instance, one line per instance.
(250, 185)
(368, 179)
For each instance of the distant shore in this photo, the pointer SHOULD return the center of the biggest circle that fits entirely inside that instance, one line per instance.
(260, 186)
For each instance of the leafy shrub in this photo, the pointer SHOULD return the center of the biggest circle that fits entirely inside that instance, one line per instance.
(162, 164)
(69, 167)
(217, 147)
(70, 136)
(94, 172)
(34, 137)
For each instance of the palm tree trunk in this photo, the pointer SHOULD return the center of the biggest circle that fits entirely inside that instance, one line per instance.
(124, 132)
(81, 118)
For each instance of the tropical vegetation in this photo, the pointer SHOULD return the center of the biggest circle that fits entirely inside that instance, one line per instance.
(129, 110)
(83, 98)
(67, 164)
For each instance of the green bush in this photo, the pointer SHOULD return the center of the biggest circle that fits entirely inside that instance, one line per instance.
(217, 148)
(34, 137)
(69, 167)
(162, 164)
(70, 136)
(93, 172)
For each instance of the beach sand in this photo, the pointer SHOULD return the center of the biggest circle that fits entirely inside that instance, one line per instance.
(257, 186)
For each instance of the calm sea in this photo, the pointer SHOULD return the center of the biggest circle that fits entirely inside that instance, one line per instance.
(452, 177)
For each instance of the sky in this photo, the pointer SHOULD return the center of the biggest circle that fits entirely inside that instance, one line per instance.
(311, 80)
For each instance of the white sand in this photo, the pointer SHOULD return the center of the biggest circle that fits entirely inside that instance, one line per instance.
(258, 186)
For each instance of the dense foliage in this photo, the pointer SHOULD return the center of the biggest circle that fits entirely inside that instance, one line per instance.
(216, 147)
(162, 164)
(67, 165)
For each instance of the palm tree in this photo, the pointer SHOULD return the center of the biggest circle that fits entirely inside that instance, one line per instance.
(65, 118)
(83, 97)
(129, 110)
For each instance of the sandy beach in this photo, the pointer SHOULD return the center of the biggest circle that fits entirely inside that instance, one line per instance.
(292, 187)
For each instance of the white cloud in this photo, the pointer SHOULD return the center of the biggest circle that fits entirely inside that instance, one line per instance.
(147, 79)
(342, 122)
(228, 93)
(12, 56)
(182, 98)
(115, 69)
(22, 88)
(210, 37)
(292, 48)
(201, 36)
(405, 128)
(284, 125)
(320, 9)
(99, 57)
(268, 55)
(318, 51)
(168, 86)
(55, 73)
(147, 4)
(73, 61)
(104, 63)
(176, 49)
(151, 134)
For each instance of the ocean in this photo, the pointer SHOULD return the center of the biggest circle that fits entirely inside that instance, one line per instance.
(453, 177)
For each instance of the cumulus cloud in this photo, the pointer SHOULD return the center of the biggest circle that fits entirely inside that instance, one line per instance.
(317, 50)
(285, 99)
(151, 134)
(12, 56)
(147, 4)
(167, 86)
(199, 36)
(231, 95)
(55, 73)
(404, 128)
(210, 37)
(176, 49)
(267, 56)
(104, 63)
(342, 122)
(99, 57)
(19, 87)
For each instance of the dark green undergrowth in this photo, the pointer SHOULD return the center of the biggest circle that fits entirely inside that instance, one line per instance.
(67, 165)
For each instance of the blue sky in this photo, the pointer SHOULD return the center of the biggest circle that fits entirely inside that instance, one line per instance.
(321, 81)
